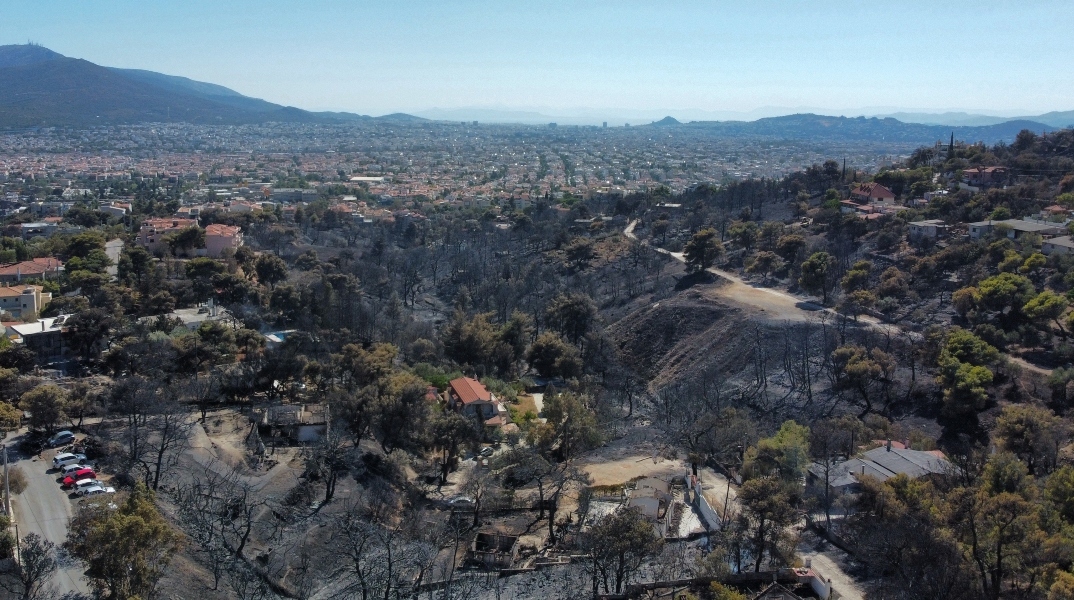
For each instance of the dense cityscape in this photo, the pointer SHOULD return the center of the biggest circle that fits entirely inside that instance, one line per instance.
(430, 161)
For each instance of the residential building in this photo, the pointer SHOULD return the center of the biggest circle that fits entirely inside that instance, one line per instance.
(299, 422)
(985, 176)
(1015, 228)
(23, 301)
(1063, 245)
(472, 399)
(221, 237)
(37, 268)
(882, 463)
(45, 337)
(192, 318)
(116, 209)
(867, 193)
(151, 235)
(931, 228)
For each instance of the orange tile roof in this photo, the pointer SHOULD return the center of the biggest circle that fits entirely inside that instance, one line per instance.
(29, 268)
(223, 230)
(469, 390)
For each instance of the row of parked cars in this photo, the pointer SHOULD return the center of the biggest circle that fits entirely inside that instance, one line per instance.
(78, 475)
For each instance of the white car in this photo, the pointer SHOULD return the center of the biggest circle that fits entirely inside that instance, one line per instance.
(96, 490)
(66, 458)
(81, 486)
(69, 469)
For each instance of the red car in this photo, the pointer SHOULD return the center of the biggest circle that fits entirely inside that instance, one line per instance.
(78, 476)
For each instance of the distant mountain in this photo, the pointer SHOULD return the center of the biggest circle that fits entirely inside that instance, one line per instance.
(1063, 120)
(667, 121)
(948, 118)
(41, 87)
(26, 54)
(402, 118)
(818, 127)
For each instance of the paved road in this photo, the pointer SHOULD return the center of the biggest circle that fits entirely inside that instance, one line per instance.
(44, 508)
(114, 248)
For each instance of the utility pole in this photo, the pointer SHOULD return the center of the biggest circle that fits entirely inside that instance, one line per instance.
(7, 486)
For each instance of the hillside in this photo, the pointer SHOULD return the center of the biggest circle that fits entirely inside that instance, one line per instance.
(810, 126)
(41, 87)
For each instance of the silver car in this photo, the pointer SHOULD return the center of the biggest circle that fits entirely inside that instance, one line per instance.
(96, 490)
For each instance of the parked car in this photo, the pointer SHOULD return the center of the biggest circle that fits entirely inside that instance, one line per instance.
(61, 438)
(66, 458)
(84, 484)
(96, 490)
(78, 476)
(70, 469)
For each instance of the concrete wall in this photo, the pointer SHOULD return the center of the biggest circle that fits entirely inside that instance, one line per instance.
(708, 513)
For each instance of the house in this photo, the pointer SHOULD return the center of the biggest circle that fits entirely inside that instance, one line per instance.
(192, 318)
(494, 550)
(116, 209)
(151, 235)
(985, 176)
(653, 498)
(883, 463)
(1015, 228)
(472, 399)
(37, 268)
(931, 228)
(1058, 245)
(775, 591)
(44, 337)
(40, 228)
(299, 422)
(867, 193)
(23, 301)
(221, 237)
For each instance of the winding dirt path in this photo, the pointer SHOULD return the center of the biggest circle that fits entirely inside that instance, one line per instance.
(779, 305)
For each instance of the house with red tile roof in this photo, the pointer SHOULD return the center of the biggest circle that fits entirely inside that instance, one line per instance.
(37, 268)
(221, 237)
(151, 235)
(985, 176)
(469, 397)
(867, 193)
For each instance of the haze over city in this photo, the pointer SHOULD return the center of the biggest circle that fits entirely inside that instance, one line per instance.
(589, 61)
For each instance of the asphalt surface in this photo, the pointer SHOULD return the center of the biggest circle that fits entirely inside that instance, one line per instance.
(45, 508)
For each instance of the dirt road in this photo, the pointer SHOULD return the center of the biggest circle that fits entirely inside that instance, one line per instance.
(829, 563)
(777, 304)
(44, 508)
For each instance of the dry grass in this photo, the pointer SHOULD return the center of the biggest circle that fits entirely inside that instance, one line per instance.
(525, 404)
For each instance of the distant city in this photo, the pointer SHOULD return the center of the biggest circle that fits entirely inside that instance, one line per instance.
(434, 161)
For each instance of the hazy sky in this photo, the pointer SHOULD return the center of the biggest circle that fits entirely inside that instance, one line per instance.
(398, 55)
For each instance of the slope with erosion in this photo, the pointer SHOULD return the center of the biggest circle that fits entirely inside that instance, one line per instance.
(685, 334)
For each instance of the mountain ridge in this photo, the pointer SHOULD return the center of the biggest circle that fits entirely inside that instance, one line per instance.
(41, 87)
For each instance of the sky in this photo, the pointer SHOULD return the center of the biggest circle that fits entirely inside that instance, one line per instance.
(614, 57)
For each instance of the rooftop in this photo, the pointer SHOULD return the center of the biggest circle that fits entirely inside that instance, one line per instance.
(469, 390)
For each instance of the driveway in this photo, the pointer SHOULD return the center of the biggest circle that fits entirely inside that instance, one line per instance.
(44, 508)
